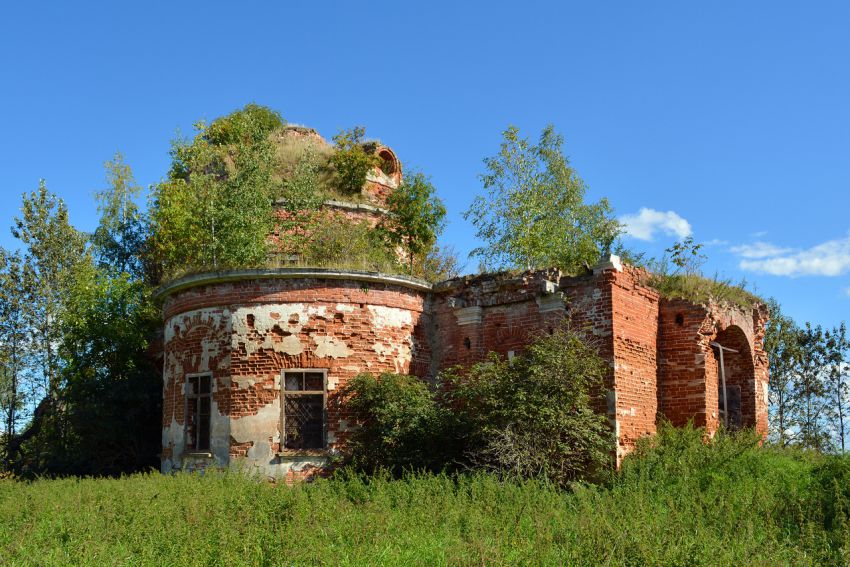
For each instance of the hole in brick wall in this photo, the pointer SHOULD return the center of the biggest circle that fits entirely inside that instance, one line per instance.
(339, 316)
(293, 319)
(361, 306)
(467, 343)
(250, 319)
(551, 331)
(680, 319)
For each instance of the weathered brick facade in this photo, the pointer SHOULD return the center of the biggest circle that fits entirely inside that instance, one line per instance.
(246, 328)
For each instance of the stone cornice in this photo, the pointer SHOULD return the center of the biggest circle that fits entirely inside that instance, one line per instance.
(207, 278)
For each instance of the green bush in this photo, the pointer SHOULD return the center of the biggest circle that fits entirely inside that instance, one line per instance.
(352, 160)
(530, 417)
(537, 415)
(400, 425)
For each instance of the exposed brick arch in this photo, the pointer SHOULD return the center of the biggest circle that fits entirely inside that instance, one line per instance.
(739, 374)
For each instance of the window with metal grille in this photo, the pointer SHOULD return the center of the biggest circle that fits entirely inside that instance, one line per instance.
(198, 409)
(303, 409)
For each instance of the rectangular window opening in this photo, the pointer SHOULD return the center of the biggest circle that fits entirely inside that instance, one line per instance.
(198, 412)
(304, 416)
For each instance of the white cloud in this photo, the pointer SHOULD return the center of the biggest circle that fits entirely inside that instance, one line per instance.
(716, 242)
(647, 222)
(830, 258)
(759, 250)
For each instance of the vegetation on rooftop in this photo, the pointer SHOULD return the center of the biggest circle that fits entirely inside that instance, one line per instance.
(533, 212)
(678, 275)
(216, 209)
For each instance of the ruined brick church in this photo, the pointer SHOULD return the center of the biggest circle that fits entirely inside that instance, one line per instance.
(253, 359)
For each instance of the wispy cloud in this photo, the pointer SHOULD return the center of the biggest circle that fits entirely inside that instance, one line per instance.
(847, 291)
(645, 223)
(830, 258)
(760, 250)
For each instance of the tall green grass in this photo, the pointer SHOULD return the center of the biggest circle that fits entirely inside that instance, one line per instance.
(676, 502)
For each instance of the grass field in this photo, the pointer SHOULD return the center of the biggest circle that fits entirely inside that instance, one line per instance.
(681, 503)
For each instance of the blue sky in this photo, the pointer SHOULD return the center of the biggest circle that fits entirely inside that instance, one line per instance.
(726, 120)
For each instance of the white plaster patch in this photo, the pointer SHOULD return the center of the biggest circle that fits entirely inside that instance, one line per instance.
(256, 428)
(331, 347)
(333, 382)
(390, 316)
(344, 308)
(263, 323)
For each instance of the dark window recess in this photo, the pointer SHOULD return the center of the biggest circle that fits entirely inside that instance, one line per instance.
(304, 410)
(198, 410)
(733, 397)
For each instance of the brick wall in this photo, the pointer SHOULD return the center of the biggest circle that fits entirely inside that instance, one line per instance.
(689, 365)
(246, 332)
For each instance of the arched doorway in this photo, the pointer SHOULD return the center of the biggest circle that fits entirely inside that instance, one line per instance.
(732, 365)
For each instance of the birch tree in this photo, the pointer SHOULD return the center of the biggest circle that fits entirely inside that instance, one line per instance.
(533, 212)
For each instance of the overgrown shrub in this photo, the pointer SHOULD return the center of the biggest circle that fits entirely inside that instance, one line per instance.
(539, 414)
(301, 190)
(214, 211)
(400, 425)
(352, 159)
(535, 416)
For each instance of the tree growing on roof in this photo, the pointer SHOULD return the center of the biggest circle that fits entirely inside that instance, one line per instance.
(533, 212)
(416, 218)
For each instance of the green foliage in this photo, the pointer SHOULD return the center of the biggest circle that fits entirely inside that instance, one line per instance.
(250, 125)
(352, 160)
(837, 366)
(533, 213)
(440, 264)
(536, 415)
(301, 190)
(400, 425)
(679, 501)
(781, 343)
(810, 388)
(341, 243)
(215, 208)
(686, 256)
(81, 396)
(53, 251)
(684, 279)
(15, 345)
(112, 394)
(530, 417)
(416, 218)
(120, 237)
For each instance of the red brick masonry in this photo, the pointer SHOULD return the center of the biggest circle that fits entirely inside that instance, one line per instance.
(244, 329)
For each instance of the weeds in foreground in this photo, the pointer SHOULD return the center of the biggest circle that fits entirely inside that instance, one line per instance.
(677, 501)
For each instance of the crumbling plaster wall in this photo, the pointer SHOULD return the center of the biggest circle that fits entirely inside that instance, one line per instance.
(246, 332)
(342, 326)
(195, 341)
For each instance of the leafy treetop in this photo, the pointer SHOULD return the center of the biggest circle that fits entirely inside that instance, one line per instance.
(533, 213)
